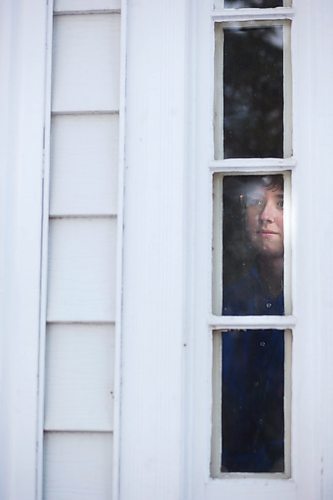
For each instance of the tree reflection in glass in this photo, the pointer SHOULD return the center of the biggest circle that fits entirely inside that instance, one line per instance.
(253, 92)
(261, 4)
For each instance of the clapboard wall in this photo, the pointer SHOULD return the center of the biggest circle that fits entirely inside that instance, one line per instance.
(82, 242)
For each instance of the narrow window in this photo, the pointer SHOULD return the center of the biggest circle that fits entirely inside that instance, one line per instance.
(252, 113)
(251, 381)
(252, 401)
(252, 365)
(253, 250)
(252, 334)
(253, 92)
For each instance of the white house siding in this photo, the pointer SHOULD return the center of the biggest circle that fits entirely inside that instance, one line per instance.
(80, 318)
(164, 449)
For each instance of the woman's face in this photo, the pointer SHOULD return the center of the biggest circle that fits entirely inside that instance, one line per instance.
(264, 220)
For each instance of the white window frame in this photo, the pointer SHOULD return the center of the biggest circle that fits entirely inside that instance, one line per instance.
(305, 480)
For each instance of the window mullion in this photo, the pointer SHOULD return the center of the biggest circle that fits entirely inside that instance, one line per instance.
(257, 165)
(252, 322)
(277, 13)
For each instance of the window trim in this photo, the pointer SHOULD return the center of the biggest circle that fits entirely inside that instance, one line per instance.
(304, 479)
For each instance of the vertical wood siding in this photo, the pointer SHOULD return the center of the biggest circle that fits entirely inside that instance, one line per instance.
(79, 365)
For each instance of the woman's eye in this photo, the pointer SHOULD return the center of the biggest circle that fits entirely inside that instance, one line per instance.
(280, 204)
(255, 202)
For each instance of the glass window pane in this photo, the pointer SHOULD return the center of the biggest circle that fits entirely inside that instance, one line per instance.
(253, 92)
(253, 245)
(262, 4)
(251, 402)
(253, 426)
(258, 4)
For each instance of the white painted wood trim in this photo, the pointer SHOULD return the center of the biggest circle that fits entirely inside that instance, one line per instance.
(276, 322)
(44, 250)
(117, 414)
(321, 154)
(287, 92)
(306, 255)
(198, 286)
(86, 112)
(22, 55)
(63, 6)
(86, 216)
(79, 322)
(252, 14)
(288, 244)
(189, 233)
(85, 12)
(154, 254)
(254, 165)
(217, 245)
(249, 488)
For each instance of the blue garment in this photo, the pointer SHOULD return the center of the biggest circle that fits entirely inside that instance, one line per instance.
(249, 297)
(253, 383)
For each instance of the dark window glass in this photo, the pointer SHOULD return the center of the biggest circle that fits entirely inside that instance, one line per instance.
(253, 245)
(253, 401)
(253, 92)
(261, 4)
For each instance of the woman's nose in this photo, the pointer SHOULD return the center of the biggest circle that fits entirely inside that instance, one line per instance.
(268, 212)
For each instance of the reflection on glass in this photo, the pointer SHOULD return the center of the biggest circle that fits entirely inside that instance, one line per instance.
(253, 245)
(253, 92)
(253, 401)
(261, 4)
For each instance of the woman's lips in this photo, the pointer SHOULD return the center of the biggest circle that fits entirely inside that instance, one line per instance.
(267, 233)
